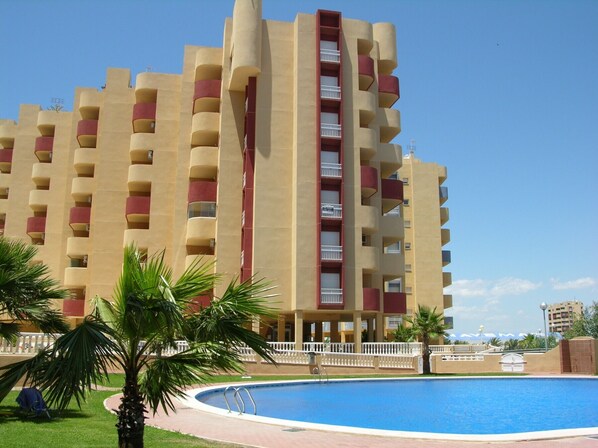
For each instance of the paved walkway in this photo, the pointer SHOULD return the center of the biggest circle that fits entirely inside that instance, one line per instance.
(259, 435)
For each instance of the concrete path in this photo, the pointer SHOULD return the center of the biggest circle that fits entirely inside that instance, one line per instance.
(259, 435)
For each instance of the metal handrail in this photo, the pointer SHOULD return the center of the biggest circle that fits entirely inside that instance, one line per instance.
(239, 399)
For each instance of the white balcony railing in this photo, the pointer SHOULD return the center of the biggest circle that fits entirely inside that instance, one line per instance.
(330, 55)
(330, 130)
(331, 170)
(331, 296)
(394, 212)
(332, 253)
(332, 210)
(330, 92)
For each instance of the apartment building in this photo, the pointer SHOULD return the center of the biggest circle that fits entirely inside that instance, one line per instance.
(270, 156)
(562, 315)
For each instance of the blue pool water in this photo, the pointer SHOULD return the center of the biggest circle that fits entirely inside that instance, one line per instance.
(451, 406)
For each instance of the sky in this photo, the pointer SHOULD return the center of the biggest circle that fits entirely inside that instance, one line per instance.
(502, 92)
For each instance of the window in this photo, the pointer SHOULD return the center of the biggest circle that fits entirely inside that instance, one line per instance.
(330, 280)
(405, 180)
(407, 224)
(330, 238)
(330, 197)
(406, 202)
(395, 285)
(328, 45)
(329, 117)
(407, 246)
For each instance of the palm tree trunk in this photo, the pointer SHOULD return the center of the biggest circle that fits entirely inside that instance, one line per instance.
(131, 415)
(426, 356)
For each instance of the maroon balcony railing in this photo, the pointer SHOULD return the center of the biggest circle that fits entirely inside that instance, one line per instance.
(388, 86)
(371, 299)
(73, 307)
(6, 155)
(366, 71)
(202, 191)
(392, 189)
(80, 215)
(36, 224)
(144, 111)
(207, 88)
(395, 302)
(44, 144)
(138, 205)
(87, 127)
(369, 180)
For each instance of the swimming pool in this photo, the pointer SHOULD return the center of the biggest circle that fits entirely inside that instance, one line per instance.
(463, 408)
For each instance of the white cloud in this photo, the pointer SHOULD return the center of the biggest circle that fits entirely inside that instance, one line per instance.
(491, 288)
(584, 282)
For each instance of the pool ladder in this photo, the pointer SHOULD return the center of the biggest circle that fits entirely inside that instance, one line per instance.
(240, 402)
(320, 371)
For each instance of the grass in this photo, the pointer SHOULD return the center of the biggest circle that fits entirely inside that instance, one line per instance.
(93, 426)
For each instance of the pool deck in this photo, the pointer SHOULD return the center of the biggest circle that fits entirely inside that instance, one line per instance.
(245, 433)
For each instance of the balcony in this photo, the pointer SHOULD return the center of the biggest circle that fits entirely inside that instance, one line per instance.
(79, 218)
(73, 307)
(331, 170)
(367, 139)
(139, 237)
(369, 181)
(331, 296)
(85, 161)
(38, 200)
(75, 277)
(5, 160)
(330, 56)
(140, 178)
(445, 236)
(444, 215)
(392, 194)
(443, 194)
(77, 247)
(391, 158)
(393, 265)
(202, 191)
(446, 257)
(40, 174)
(205, 129)
(371, 299)
(368, 218)
(331, 211)
(330, 130)
(138, 209)
(205, 259)
(89, 104)
(36, 227)
(390, 124)
(43, 149)
(370, 259)
(8, 132)
(395, 303)
(367, 104)
(208, 63)
(447, 279)
(366, 71)
(447, 301)
(144, 117)
(206, 97)
(47, 121)
(388, 90)
(331, 253)
(330, 92)
(204, 162)
(87, 133)
(83, 188)
(201, 231)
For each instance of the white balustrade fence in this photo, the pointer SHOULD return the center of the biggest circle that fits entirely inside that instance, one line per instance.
(28, 343)
(392, 348)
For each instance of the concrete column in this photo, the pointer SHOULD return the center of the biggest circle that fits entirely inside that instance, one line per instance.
(357, 331)
(255, 326)
(334, 334)
(319, 336)
(379, 327)
(371, 329)
(281, 328)
(298, 330)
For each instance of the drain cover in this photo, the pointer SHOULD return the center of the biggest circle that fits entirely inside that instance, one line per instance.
(294, 429)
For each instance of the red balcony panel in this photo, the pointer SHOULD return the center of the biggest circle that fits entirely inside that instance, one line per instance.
(199, 302)
(202, 191)
(80, 215)
(138, 205)
(6, 155)
(366, 71)
(44, 144)
(207, 88)
(369, 180)
(388, 85)
(73, 307)
(36, 224)
(144, 111)
(392, 189)
(87, 127)
(395, 303)
(371, 299)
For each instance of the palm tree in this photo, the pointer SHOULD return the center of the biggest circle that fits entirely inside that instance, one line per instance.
(149, 312)
(427, 324)
(495, 342)
(402, 334)
(26, 291)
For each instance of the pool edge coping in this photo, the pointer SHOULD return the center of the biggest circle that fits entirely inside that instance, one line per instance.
(190, 400)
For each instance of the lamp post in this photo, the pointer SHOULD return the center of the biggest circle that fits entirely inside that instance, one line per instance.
(481, 334)
(543, 307)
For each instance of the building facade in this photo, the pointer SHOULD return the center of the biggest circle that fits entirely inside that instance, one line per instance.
(271, 156)
(562, 315)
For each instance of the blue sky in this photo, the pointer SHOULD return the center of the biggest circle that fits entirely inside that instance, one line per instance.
(504, 93)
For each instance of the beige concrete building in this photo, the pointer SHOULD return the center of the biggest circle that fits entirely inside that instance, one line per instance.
(271, 156)
(562, 315)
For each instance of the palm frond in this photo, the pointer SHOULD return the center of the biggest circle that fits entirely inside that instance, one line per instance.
(166, 378)
(12, 373)
(9, 331)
